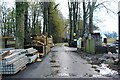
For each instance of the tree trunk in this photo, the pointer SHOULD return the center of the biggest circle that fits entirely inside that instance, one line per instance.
(45, 22)
(44, 17)
(19, 25)
(33, 22)
(13, 23)
(91, 20)
(84, 18)
(27, 34)
(70, 17)
(49, 20)
(74, 18)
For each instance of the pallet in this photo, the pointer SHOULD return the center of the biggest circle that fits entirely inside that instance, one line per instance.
(23, 68)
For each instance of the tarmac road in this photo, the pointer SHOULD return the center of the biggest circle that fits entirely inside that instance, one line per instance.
(61, 62)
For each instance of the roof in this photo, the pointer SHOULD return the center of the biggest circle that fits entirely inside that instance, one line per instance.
(102, 35)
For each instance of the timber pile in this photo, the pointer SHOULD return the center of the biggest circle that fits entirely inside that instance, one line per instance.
(45, 42)
(31, 54)
(14, 61)
(47, 49)
(40, 40)
(50, 42)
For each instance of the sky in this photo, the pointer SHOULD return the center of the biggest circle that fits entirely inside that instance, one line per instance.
(107, 22)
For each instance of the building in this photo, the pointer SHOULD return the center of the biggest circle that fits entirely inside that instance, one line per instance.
(101, 34)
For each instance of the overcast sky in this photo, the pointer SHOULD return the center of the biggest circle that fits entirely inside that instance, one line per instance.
(109, 21)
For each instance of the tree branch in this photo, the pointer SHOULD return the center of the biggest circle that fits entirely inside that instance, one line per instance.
(108, 9)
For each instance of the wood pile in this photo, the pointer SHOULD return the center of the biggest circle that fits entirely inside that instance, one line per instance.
(45, 42)
(31, 54)
(40, 40)
(14, 60)
(50, 42)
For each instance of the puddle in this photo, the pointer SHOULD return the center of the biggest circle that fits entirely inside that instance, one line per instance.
(66, 75)
(52, 61)
(54, 51)
(55, 66)
(88, 75)
(65, 68)
(98, 76)
(95, 66)
(71, 74)
(97, 70)
(74, 51)
(55, 72)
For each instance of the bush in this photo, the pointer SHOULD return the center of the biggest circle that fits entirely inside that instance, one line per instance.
(66, 44)
(66, 40)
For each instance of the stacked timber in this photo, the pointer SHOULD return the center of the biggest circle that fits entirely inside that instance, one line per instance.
(40, 39)
(50, 42)
(47, 49)
(13, 61)
(43, 43)
(31, 54)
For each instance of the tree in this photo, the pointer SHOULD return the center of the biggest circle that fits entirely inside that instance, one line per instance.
(114, 34)
(45, 17)
(35, 15)
(20, 24)
(8, 18)
(57, 25)
(52, 24)
(84, 18)
(4, 16)
(93, 5)
(73, 16)
(70, 17)
(26, 38)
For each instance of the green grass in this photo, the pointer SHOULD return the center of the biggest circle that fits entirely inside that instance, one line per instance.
(109, 62)
(110, 40)
(66, 44)
(59, 44)
(11, 42)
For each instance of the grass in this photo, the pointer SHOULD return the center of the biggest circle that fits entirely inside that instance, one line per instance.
(11, 42)
(110, 40)
(66, 44)
(59, 44)
(109, 62)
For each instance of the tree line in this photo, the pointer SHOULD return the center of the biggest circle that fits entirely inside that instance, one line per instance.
(25, 20)
(81, 17)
